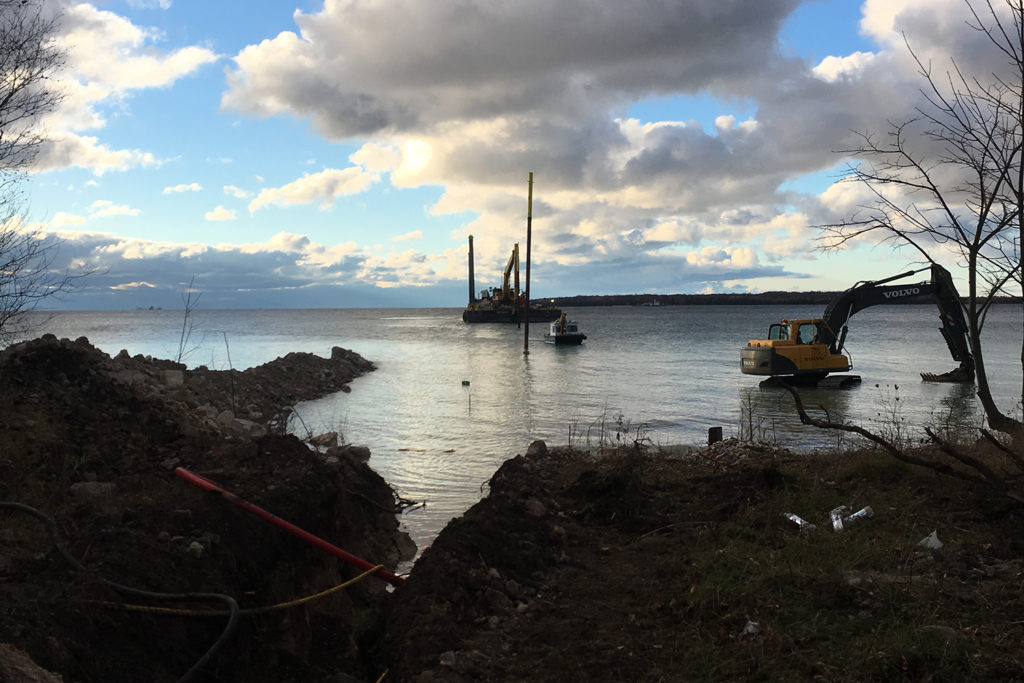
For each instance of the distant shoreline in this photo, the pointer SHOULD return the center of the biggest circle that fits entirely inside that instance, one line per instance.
(764, 298)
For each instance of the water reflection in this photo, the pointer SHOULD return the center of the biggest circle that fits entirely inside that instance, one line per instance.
(768, 413)
(951, 410)
(959, 414)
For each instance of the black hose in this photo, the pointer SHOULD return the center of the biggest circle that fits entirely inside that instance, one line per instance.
(51, 527)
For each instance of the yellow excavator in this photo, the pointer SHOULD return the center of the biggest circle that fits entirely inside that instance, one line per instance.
(806, 351)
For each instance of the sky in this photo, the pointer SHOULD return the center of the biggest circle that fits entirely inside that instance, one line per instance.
(339, 153)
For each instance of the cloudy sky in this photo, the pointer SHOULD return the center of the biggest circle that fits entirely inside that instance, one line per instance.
(339, 153)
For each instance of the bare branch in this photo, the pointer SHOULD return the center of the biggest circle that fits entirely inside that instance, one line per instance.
(887, 446)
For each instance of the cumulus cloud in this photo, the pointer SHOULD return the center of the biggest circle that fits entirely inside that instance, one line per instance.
(408, 237)
(722, 257)
(376, 157)
(402, 66)
(62, 219)
(65, 150)
(107, 59)
(611, 186)
(469, 95)
(220, 214)
(99, 209)
(92, 36)
(832, 69)
(183, 187)
(102, 208)
(323, 187)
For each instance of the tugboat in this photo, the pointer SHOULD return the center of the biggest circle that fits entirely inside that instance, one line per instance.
(564, 331)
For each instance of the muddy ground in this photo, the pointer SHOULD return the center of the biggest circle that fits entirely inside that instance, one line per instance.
(629, 565)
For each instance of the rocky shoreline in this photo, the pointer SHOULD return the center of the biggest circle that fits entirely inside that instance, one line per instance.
(630, 564)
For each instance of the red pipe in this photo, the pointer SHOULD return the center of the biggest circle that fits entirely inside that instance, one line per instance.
(316, 541)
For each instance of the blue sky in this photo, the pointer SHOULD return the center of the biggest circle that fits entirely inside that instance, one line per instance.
(340, 153)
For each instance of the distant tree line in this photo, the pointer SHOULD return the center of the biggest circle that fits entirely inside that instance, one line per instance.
(763, 298)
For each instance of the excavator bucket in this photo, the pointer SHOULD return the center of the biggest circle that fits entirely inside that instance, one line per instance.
(959, 375)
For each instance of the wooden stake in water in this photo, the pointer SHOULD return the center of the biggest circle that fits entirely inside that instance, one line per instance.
(529, 236)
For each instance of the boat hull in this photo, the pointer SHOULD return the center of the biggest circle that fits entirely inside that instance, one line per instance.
(508, 315)
(565, 339)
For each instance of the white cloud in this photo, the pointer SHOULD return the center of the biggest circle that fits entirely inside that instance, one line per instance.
(102, 208)
(107, 58)
(220, 214)
(236, 192)
(92, 37)
(722, 257)
(288, 242)
(392, 65)
(69, 150)
(183, 187)
(832, 69)
(133, 286)
(151, 4)
(323, 187)
(62, 219)
(376, 157)
(409, 236)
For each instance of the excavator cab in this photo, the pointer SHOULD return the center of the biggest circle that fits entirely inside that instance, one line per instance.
(778, 332)
(792, 349)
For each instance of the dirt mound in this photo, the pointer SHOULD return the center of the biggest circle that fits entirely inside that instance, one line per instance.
(93, 442)
(263, 394)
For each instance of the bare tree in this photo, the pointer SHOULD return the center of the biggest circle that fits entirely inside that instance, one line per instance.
(29, 57)
(950, 180)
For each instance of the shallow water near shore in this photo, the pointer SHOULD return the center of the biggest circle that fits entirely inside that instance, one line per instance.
(450, 402)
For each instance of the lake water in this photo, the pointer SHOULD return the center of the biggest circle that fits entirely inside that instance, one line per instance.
(450, 402)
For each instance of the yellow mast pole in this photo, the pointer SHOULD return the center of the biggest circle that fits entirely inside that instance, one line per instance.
(529, 236)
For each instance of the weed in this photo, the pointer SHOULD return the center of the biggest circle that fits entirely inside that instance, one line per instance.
(190, 298)
(317, 425)
(889, 421)
(756, 423)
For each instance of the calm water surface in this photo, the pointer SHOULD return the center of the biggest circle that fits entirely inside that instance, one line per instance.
(450, 402)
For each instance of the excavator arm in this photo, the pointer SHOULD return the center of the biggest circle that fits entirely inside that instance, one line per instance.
(938, 290)
(511, 268)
